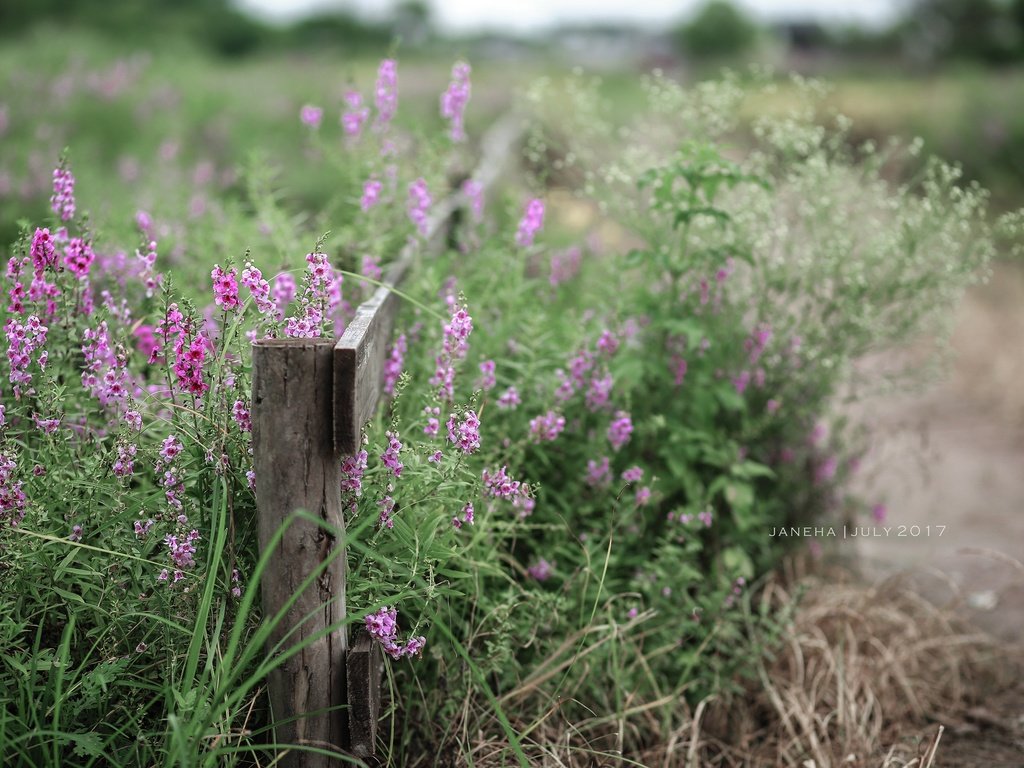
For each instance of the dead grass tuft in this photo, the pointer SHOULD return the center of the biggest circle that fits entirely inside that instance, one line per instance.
(864, 676)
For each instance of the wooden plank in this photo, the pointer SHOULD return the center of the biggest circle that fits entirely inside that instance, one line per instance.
(359, 361)
(297, 467)
(365, 665)
(362, 349)
(358, 364)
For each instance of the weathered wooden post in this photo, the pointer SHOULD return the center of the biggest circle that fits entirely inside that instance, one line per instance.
(297, 467)
(310, 400)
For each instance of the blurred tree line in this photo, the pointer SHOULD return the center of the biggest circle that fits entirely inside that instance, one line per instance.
(216, 25)
(927, 33)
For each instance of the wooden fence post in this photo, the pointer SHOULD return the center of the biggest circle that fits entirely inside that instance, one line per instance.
(298, 467)
(310, 400)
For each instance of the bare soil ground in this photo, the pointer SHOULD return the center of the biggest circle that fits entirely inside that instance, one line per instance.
(953, 456)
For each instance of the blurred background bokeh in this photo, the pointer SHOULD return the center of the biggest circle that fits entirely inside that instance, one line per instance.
(948, 71)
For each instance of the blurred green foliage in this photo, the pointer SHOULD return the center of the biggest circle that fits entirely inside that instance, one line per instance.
(213, 25)
(986, 31)
(719, 30)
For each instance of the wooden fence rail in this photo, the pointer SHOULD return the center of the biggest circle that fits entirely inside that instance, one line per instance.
(310, 400)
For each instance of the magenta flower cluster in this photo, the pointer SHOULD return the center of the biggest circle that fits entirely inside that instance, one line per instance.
(63, 199)
(455, 345)
(371, 194)
(547, 427)
(242, 417)
(79, 257)
(620, 430)
(24, 339)
(466, 433)
(311, 116)
(598, 472)
(12, 495)
(259, 289)
(465, 517)
(386, 93)
(190, 349)
(393, 364)
(383, 627)
(146, 259)
(487, 379)
(501, 485)
(353, 119)
(509, 400)
(167, 473)
(454, 100)
(531, 223)
(352, 470)
(225, 287)
(541, 570)
(419, 205)
(313, 303)
(124, 463)
(390, 456)
(433, 425)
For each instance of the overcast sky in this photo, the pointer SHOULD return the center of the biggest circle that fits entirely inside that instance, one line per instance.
(527, 15)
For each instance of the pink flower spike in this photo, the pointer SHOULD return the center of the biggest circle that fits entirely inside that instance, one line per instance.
(531, 223)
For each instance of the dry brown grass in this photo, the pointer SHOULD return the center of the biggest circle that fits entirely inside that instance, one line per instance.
(864, 676)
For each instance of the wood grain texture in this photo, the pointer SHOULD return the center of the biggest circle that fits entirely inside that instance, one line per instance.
(359, 361)
(365, 665)
(297, 467)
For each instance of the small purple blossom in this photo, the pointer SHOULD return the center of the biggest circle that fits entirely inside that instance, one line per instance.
(547, 427)
(386, 93)
(500, 485)
(225, 287)
(465, 434)
(598, 472)
(509, 399)
(371, 194)
(78, 257)
(383, 627)
(353, 119)
(454, 100)
(620, 430)
(390, 456)
(541, 570)
(633, 475)
(63, 199)
(352, 469)
(487, 379)
(419, 204)
(311, 116)
(124, 464)
(531, 223)
(393, 364)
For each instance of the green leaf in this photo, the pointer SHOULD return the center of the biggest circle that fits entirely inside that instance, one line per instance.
(86, 744)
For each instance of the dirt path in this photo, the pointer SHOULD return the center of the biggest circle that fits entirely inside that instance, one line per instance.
(953, 456)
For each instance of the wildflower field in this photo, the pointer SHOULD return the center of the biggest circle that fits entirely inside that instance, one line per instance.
(615, 379)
